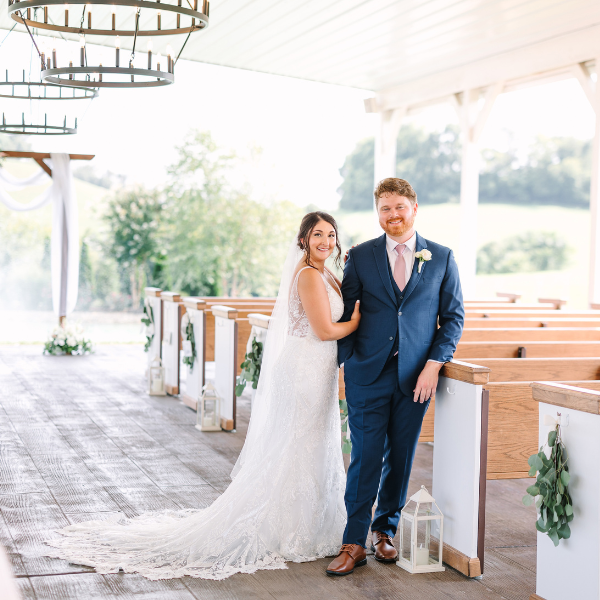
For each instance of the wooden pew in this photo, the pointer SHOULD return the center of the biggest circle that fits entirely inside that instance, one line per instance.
(541, 369)
(514, 313)
(509, 323)
(530, 334)
(550, 349)
(243, 313)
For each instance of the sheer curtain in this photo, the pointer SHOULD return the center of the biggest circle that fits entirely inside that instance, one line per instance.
(65, 226)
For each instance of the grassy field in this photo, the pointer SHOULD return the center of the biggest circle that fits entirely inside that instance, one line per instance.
(496, 222)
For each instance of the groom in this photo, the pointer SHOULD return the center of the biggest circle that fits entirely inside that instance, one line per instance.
(406, 286)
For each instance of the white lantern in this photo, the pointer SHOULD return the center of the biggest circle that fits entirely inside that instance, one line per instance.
(156, 378)
(208, 413)
(421, 534)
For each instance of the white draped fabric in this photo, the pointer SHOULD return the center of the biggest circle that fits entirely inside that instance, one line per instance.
(65, 225)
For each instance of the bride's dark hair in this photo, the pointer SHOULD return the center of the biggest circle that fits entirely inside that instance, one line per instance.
(306, 228)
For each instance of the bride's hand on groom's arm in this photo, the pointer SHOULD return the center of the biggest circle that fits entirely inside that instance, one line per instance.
(427, 382)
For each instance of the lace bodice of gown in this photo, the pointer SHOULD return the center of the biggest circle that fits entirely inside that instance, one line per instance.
(286, 503)
(298, 321)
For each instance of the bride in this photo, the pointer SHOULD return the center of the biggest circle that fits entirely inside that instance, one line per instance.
(285, 502)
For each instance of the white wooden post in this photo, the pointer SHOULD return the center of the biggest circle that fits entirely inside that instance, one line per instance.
(590, 88)
(173, 310)
(194, 382)
(226, 336)
(153, 297)
(385, 143)
(472, 119)
(460, 463)
(572, 570)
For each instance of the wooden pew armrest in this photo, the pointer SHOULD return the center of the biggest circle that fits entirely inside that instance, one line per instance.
(224, 311)
(259, 320)
(467, 372)
(568, 396)
(194, 302)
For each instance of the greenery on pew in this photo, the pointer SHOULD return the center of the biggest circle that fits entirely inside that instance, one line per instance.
(148, 321)
(346, 444)
(189, 337)
(551, 489)
(250, 368)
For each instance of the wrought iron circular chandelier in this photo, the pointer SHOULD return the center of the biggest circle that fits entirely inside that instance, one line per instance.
(39, 90)
(92, 77)
(51, 8)
(35, 129)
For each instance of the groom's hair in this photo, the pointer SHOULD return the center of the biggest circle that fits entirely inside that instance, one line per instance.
(394, 185)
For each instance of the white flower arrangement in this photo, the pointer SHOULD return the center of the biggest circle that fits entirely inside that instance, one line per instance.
(67, 340)
(423, 256)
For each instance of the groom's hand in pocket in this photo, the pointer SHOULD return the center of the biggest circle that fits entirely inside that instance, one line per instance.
(427, 382)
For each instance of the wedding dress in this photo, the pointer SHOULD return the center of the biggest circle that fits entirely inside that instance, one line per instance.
(285, 502)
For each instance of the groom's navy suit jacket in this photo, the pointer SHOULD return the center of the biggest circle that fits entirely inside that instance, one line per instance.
(404, 321)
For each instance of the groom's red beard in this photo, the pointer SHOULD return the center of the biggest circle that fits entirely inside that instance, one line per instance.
(398, 229)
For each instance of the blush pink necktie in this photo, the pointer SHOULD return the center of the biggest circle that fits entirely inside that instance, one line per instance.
(400, 267)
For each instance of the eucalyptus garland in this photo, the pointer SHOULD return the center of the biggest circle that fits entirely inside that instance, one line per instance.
(250, 368)
(189, 337)
(346, 444)
(148, 321)
(551, 489)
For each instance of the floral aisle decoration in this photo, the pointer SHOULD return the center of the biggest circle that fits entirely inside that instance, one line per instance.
(68, 340)
(550, 492)
(250, 368)
(148, 321)
(188, 343)
(346, 443)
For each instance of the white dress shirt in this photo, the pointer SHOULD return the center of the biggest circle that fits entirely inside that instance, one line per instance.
(409, 253)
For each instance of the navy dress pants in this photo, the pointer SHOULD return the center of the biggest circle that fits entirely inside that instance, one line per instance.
(384, 430)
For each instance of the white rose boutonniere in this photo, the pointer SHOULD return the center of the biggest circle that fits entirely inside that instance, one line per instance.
(423, 256)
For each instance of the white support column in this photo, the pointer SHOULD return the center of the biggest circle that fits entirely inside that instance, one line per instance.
(590, 89)
(472, 118)
(385, 143)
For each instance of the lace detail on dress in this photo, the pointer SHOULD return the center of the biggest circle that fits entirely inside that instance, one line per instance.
(286, 503)
(298, 321)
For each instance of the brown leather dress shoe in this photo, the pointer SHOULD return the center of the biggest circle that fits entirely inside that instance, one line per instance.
(350, 556)
(383, 546)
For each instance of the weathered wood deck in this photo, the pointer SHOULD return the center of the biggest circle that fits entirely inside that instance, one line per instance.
(80, 438)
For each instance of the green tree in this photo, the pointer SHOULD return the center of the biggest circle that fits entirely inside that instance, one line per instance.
(221, 240)
(86, 282)
(133, 217)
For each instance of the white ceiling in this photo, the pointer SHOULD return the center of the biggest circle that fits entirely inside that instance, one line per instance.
(370, 44)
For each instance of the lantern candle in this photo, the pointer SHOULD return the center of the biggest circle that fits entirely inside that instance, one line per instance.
(82, 50)
(422, 556)
(117, 51)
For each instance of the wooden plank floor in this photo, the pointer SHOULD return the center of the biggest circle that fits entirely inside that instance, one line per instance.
(80, 439)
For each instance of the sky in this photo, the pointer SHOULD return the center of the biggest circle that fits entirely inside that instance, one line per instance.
(305, 129)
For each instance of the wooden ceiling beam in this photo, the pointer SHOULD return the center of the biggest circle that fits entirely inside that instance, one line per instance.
(41, 155)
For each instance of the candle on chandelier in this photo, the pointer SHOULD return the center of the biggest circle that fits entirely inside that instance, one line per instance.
(54, 65)
(89, 9)
(82, 50)
(42, 56)
(100, 74)
(66, 17)
(149, 55)
(158, 18)
(178, 16)
(117, 51)
(45, 14)
(71, 74)
(169, 59)
(158, 57)
(113, 18)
